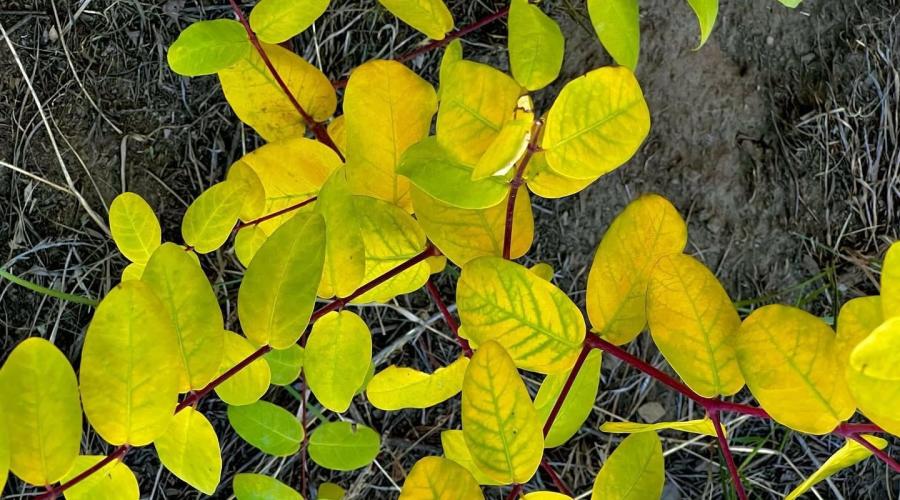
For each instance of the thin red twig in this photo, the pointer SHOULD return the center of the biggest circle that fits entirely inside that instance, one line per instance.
(729, 459)
(198, 395)
(514, 493)
(259, 220)
(881, 454)
(567, 386)
(514, 186)
(560, 485)
(448, 318)
(55, 491)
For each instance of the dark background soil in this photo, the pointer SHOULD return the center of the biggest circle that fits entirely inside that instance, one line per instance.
(778, 141)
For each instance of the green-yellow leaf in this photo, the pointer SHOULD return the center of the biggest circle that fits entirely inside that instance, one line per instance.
(849, 455)
(387, 109)
(435, 171)
(247, 385)
(190, 450)
(330, 491)
(547, 183)
(536, 45)
(542, 270)
(694, 325)
(648, 229)
(260, 487)
(857, 319)
(253, 193)
(338, 354)
(878, 355)
(278, 292)
(345, 253)
(463, 235)
(258, 100)
(396, 388)
(210, 219)
(702, 426)
(268, 427)
(285, 364)
(134, 227)
(133, 271)
(596, 124)
(467, 122)
(343, 446)
(130, 366)
(789, 360)
(275, 21)
(431, 17)
(452, 53)
(500, 425)
(114, 481)
(536, 322)
(890, 282)
(337, 130)
(876, 399)
(578, 403)
(790, 3)
(634, 471)
(507, 148)
(247, 242)
(545, 495)
(617, 26)
(436, 478)
(706, 11)
(41, 415)
(177, 280)
(454, 444)
(206, 47)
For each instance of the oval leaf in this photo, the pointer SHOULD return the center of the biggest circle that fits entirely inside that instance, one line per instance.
(338, 355)
(343, 446)
(849, 455)
(890, 282)
(454, 444)
(206, 47)
(396, 388)
(431, 17)
(285, 364)
(578, 403)
(878, 355)
(259, 487)
(247, 385)
(275, 21)
(617, 26)
(857, 319)
(634, 471)
(702, 426)
(536, 45)
(134, 227)
(268, 427)
(547, 183)
(114, 481)
(439, 479)
(345, 251)
(209, 220)
(706, 11)
(190, 449)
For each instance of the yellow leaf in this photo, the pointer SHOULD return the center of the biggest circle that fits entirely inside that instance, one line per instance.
(634, 471)
(507, 148)
(4, 448)
(430, 17)
(849, 455)
(702, 426)
(467, 122)
(878, 355)
(337, 130)
(41, 415)
(617, 25)
(500, 425)
(253, 203)
(338, 354)
(463, 234)
(396, 388)
(258, 100)
(130, 366)
(278, 292)
(596, 124)
(391, 237)
(247, 242)
(545, 495)
(190, 450)
(503, 301)
(789, 360)
(578, 403)
(285, 364)
(876, 399)
(182, 287)
(454, 444)
(437, 478)
(890, 282)
(210, 219)
(133, 271)
(114, 481)
(694, 325)
(648, 229)
(275, 21)
(134, 227)
(543, 271)
(452, 53)
(857, 319)
(330, 491)
(248, 385)
(547, 183)
(536, 45)
(345, 254)
(388, 108)
(288, 183)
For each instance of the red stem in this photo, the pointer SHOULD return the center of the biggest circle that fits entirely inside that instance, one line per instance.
(260, 220)
(318, 129)
(560, 485)
(881, 454)
(448, 318)
(514, 186)
(729, 459)
(517, 488)
(198, 395)
(567, 386)
(54, 492)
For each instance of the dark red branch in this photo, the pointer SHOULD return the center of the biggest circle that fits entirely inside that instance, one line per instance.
(557, 481)
(198, 395)
(260, 220)
(881, 454)
(54, 492)
(514, 493)
(729, 459)
(567, 386)
(318, 129)
(448, 318)
(514, 186)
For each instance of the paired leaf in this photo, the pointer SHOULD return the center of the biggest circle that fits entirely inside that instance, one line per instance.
(190, 449)
(507, 148)
(702, 426)
(617, 25)
(706, 11)
(387, 109)
(454, 444)
(849, 455)
(41, 415)
(130, 366)
(247, 242)
(437, 478)
(275, 21)
(206, 47)
(268, 427)
(873, 383)
(789, 360)
(114, 481)
(536, 45)
(396, 388)
(253, 193)
(857, 319)
(343, 446)
(330, 491)
(500, 425)
(345, 253)
(285, 364)
(547, 183)
(634, 471)
(338, 355)
(250, 383)
(260, 487)
(536, 322)
(596, 124)
(278, 291)
(890, 282)
(210, 218)
(649, 228)
(694, 325)
(878, 355)
(257, 99)
(134, 227)
(578, 403)
(545, 495)
(175, 277)
(431, 17)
